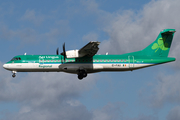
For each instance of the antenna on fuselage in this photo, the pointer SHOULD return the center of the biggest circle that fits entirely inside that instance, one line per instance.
(24, 53)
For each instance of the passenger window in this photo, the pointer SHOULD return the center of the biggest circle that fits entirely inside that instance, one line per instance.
(19, 58)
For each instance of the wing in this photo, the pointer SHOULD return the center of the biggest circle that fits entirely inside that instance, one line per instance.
(90, 49)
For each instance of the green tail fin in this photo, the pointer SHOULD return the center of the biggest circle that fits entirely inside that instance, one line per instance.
(161, 46)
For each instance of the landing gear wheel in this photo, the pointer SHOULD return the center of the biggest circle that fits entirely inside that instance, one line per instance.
(80, 77)
(14, 75)
(82, 74)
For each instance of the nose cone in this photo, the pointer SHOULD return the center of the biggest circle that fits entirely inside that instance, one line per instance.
(5, 66)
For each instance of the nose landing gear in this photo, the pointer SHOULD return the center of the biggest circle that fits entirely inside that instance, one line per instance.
(14, 74)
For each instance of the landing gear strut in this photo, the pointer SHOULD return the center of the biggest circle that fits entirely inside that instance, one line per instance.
(82, 74)
(14, 74)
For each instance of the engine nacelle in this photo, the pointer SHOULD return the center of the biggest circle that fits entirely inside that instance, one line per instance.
(73, 54)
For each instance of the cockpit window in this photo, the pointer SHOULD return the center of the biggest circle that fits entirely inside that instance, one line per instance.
(12, 59)
(16, 58)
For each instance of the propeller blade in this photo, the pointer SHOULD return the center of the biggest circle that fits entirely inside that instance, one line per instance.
(64, 52)
(57, 51)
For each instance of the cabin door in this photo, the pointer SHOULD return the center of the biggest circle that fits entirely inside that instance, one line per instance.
(131, 61)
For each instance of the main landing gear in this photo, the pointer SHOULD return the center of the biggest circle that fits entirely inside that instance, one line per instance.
(14, 74)
(82, 74)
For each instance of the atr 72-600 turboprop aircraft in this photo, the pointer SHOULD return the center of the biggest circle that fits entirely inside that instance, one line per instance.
(84, 61)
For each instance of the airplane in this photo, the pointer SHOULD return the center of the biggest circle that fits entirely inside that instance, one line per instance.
(86, 61)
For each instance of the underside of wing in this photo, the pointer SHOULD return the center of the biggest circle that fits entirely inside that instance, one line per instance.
(88, 50)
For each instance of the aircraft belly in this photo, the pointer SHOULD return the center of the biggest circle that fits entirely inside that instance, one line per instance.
(73, 68)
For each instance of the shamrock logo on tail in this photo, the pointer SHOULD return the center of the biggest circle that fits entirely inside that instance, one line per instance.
(160, 45)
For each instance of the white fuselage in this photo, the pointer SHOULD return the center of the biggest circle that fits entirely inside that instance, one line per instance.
(73, 67)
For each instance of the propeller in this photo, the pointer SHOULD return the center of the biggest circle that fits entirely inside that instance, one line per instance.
(64, 52)
(57, 51)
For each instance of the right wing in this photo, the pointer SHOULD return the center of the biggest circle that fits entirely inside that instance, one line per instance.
(90, 49)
